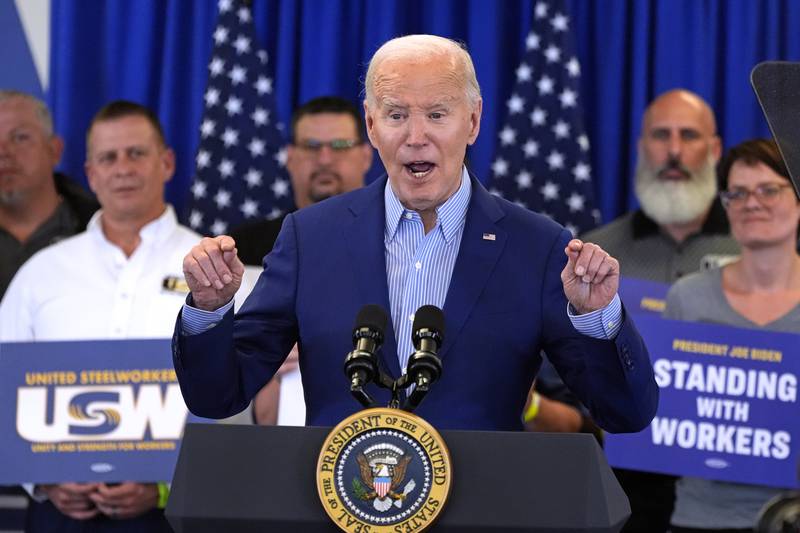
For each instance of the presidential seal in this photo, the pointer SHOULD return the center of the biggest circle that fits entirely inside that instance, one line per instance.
(383, 470)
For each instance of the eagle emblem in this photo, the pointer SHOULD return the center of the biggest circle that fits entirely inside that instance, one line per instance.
(383, 469)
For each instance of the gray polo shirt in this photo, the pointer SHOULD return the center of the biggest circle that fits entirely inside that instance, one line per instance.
(646, 252)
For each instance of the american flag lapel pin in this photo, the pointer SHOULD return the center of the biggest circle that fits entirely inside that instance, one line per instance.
(489, 237)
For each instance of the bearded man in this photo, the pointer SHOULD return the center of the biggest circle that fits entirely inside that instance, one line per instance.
(681, 223)
(680, 226)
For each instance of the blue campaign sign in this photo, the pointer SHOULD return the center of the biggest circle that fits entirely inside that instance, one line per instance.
(89, 411)
(727, 408)
(643, 296)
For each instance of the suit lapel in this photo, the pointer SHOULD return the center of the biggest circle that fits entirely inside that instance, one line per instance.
(481, 246)
(364, 234)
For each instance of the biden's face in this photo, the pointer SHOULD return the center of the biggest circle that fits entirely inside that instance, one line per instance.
(421, 123)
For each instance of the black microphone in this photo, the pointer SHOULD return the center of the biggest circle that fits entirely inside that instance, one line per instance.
(424, 366)
(361, 365)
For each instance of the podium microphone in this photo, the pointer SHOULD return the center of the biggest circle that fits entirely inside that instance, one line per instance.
(361, 365)
(424, 366)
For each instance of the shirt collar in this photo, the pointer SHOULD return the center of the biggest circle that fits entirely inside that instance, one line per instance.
(449, 216)
(156, 230)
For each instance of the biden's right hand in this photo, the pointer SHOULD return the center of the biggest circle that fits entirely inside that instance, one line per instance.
(213, 272)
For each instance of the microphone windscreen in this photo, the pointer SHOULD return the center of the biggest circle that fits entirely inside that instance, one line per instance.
(429, 317)
(373, 317)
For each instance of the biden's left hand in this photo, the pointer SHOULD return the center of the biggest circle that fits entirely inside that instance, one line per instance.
(591, 277)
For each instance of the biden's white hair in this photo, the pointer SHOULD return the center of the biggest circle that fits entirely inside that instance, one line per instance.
(419, 48)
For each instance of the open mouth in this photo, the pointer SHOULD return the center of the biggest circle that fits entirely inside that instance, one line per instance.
(420, 169)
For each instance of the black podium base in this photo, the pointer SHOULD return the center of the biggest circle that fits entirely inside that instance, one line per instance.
(256, 479)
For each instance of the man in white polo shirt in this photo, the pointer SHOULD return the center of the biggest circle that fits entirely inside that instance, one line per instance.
(120, 279)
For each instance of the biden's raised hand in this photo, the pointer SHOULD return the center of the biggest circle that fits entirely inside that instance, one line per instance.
(213, 272)
(591, 277)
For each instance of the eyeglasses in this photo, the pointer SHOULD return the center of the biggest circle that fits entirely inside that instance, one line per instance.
(336, 145)
(767, 195)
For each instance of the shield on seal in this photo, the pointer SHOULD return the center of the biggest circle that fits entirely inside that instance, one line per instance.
(382, 486)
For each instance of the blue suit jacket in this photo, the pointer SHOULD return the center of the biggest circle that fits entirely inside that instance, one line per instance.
(505, 303)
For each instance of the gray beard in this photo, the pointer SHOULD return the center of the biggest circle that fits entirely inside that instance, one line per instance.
(675, 202)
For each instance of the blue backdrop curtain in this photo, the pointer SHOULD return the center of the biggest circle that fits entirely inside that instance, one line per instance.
(156, 53)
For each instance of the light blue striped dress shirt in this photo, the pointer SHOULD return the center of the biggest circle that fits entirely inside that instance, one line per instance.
(419, 266)
(418, 271)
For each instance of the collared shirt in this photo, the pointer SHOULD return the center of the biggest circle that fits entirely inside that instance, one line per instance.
(645, 251)
(411, 286)
(70, 217)
(13, 254)
(84, 287)
(418, 265)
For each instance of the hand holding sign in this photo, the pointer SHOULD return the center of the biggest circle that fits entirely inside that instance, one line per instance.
(126, 500)
(72, 499)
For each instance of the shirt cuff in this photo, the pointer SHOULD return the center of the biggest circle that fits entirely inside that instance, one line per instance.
(34, 492)
(602, 323)
(194, 320)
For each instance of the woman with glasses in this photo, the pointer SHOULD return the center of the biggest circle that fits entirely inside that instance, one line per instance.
(759, 290)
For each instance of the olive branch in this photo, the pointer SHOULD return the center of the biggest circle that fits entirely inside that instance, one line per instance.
(359, 490)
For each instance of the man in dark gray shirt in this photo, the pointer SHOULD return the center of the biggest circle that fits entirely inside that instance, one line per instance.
(37, 206)
(680, 222)
(680, 225)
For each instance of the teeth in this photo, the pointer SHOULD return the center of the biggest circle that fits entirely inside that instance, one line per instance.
(419, 173)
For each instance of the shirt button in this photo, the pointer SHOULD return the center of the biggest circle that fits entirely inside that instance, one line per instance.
(411, 317)
(611, 324)
(408, 216)
(418, 265)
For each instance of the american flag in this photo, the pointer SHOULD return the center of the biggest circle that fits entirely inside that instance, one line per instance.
(542, 161)
(239, 171)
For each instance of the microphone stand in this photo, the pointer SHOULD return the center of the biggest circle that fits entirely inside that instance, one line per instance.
(424, 366)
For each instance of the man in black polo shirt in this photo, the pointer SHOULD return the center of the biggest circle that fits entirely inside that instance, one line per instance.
(329, 155)
(680, 226)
